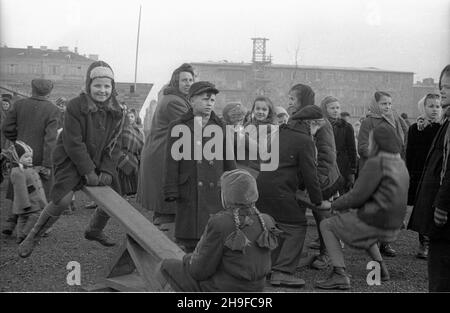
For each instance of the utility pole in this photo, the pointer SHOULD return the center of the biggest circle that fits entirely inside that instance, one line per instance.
(137, 48)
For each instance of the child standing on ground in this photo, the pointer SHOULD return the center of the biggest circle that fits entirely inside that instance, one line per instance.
(376, 204)
(86, 153)
(29, 195)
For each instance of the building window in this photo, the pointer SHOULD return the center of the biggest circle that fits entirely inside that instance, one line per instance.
(54, 69)
(33, 69)
(12, 68)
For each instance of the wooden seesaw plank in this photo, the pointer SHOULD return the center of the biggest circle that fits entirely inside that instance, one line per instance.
(144, 248)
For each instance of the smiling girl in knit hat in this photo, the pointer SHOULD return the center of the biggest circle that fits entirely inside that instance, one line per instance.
(233, 253)
(86, 153)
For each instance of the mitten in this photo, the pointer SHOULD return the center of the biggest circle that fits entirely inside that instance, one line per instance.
(91, 179)
(105, 179)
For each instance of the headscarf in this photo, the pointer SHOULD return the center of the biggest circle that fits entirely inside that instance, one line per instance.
(175, 79)
(327, 100)
(392, 118)
(423, 120)
(305, 95)
(239, 191)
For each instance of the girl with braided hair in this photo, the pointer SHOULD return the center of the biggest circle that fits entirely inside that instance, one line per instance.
(233, 253)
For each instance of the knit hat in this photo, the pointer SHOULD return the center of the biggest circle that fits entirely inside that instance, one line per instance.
(311, 112)
(233, 113)
(386, 139)
(99, 69)
(238, 189)
(280, 110)
(16, 151)
(201, 87)
(60, 101)
(41, 87)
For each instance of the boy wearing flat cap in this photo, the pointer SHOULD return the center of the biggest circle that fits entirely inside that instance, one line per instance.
(194, 183)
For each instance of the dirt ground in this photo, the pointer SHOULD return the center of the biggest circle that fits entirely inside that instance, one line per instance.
(46, 269)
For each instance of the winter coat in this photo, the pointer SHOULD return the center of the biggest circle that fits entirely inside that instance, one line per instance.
(297, 169)
(344, 137)
(219, 268)
(327, 167)
(34, 121)
(380, 193)
(171, 107)
(88, 142)
(29, 195)
(418, 145)
(368, 124)
(431, 193)
(195, 184)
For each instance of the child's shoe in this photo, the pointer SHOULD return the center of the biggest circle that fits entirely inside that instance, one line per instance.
(284, 279)
(338, 279)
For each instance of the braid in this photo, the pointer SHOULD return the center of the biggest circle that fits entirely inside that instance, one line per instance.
(237, 223)
(261, 219)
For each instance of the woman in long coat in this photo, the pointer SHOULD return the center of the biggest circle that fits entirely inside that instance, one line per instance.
(171, 106)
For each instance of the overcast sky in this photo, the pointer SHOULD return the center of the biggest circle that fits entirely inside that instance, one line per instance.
(399, 35)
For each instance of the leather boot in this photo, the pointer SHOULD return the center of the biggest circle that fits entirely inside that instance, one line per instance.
(423, 251)
(284, 279)
(43, 223)
(338, 279)
(95, 229)
(321, 262)
(387, 250)
(11, 220)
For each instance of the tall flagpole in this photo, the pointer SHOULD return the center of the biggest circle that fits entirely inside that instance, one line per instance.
(137, 48)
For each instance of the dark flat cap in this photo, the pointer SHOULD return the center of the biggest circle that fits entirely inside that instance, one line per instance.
(201, 87)
(7, 97)
(41, 87)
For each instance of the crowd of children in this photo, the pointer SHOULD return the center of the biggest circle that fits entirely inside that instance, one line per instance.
(239, 224)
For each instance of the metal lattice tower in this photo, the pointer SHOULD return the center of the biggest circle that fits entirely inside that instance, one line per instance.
(259, 51)
(260, 60)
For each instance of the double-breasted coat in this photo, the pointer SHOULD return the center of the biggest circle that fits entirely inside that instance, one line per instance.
(194, 184)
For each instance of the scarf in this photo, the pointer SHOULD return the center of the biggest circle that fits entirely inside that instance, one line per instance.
(423, 120)
(392, 118)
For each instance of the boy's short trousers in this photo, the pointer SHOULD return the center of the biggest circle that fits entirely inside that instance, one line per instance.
(354, 232)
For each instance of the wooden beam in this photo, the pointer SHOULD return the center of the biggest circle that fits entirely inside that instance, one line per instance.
(147, 235)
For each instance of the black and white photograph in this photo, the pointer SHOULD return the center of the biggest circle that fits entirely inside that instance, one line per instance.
(193, 149)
